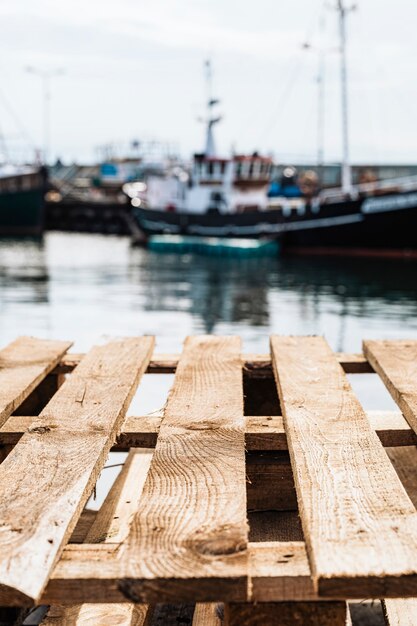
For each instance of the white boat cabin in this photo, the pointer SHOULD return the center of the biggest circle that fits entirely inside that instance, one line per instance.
(232, 185)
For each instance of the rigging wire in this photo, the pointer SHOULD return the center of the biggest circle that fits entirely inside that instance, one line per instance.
(19, 124)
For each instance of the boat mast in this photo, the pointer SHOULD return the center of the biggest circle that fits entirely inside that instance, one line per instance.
(346, 168)
(210, 149)
(321, 103)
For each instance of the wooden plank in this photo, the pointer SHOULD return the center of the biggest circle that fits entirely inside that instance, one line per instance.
(401, 612)
(190, 534)
(396, 364)
(280, 571)
(23, 365)
(207, 615)
(392, 428)
(256, 365)
(98, 615)
(287, 614)
(111, 525)
(263, 433)
(359, 524)
(47, 478)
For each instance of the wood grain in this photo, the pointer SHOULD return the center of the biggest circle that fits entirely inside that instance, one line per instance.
(98, 615)
(207, 615)
(190, 532)
(263, 433)
(396, 364)
(403, 612)
(47, 478)
(111, 525)
(287, 614)
(23, 365)
(359, 524)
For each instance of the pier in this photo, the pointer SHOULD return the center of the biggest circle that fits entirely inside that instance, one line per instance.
(261, 493)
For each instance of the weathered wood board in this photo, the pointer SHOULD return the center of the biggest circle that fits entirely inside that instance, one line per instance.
(111, 525)
(400, 612)
(261, 433)
(23, 365)
(59, 459)
(190, 531)
(359, 524)
(396, 364)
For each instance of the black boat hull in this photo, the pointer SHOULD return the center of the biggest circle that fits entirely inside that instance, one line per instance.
(22, 213)
(381, 223)
(22, 205)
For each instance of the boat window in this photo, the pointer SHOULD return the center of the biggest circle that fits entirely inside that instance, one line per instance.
(210, 168)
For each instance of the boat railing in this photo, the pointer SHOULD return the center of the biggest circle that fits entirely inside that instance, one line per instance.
(404, 184)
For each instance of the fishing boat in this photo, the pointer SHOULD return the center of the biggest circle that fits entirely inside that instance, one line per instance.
(22, 191)
(233, 198)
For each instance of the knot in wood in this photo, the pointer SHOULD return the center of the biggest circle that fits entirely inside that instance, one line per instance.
(40, 430)
(224, 541)
(203, 425)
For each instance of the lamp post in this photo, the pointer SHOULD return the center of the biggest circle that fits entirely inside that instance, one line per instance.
(46, 76)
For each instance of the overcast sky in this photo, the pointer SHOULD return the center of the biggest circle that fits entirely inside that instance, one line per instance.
(134, 70)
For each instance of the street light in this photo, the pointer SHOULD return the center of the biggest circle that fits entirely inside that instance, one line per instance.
(45, 76)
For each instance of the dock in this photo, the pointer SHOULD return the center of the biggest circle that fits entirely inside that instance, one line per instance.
(261, 494)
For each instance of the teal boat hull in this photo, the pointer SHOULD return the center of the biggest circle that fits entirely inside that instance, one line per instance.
(213, 246)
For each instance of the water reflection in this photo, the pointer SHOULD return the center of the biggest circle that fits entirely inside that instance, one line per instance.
(84, 286)
(23, 271)
(212, 290)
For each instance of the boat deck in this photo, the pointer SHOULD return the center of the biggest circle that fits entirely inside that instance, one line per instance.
(263, 493)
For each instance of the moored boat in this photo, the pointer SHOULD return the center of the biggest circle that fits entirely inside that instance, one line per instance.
(232, 198)
(22, 191)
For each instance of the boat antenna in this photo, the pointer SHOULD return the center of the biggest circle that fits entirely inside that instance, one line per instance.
(211, 120)
(346, 167)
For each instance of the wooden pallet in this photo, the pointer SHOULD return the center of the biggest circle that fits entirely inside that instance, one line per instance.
(263, 485)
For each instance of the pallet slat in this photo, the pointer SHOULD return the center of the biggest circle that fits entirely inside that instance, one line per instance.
(111, 525)
(400, 612)
(207, 615)
(287, 614)
(396, 364)
(190, 532)
(253, 364)
(59, 459)
(360, 526)
(261, 433)
(23, 365)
